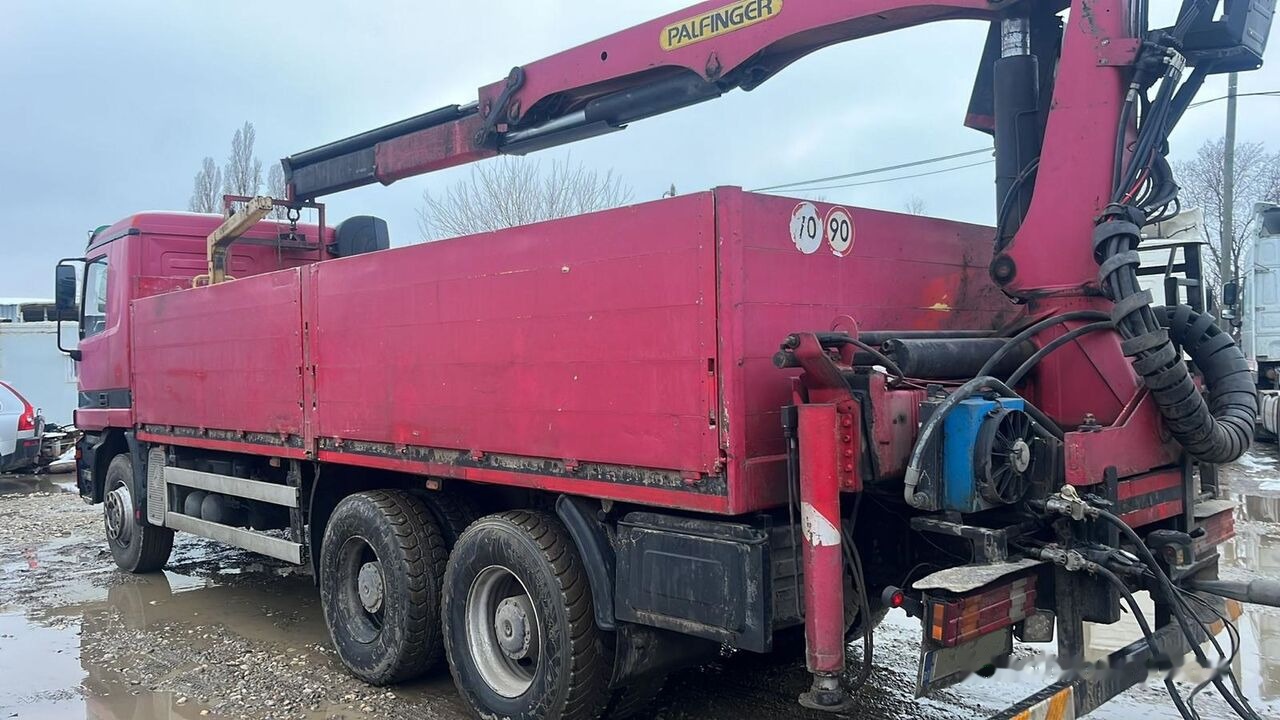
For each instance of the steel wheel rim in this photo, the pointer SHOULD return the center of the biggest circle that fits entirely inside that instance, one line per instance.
(504, 632)
(362, 589)
(118, 510)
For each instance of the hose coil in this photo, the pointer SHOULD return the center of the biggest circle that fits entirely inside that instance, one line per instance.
(1218, 430)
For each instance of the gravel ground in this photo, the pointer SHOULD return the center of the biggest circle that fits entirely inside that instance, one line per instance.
(226, 634)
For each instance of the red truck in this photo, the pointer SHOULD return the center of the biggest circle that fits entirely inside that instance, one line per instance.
(573, 456)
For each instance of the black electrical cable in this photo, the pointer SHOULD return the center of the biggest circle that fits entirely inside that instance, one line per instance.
(1226, 660)
(884, 360)
(1232, 632)
(994, 361)
(1052, 345)
(1177, 606)
(854, 558)
(1006, 204)
(1138, 616)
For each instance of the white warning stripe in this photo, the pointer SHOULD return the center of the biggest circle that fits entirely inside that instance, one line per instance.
(817, 529)
(1058, 706)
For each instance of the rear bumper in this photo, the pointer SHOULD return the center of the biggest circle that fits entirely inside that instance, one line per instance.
(1081, 693)
(24, 455)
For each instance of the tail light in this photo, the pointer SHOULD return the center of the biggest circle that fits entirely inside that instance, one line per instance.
(27, 420)
(953, 621)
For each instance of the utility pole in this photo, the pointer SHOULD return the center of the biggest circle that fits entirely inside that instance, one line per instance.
(1227, 231)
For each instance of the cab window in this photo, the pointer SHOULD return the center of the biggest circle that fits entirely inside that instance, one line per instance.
(95, 297)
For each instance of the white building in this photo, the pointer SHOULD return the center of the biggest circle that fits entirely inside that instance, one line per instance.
(30, 359)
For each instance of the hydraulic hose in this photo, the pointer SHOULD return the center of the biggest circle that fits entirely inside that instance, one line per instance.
(1052, 345)
(1219, 430)
(1031, 331)
(1042, 426)
(1182, 614)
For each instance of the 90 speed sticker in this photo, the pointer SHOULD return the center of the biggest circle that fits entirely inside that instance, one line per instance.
(839, 230)
(806, 228)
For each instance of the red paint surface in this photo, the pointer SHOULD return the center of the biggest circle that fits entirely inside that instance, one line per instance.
(228, 355)
(431, 149)
(152, 253)
(904, 272)
(634, 337)
(800, 27)
(1132, 446)
(1155, 513)
(823, 562)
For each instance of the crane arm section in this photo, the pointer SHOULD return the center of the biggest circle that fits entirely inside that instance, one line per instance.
(671, 62)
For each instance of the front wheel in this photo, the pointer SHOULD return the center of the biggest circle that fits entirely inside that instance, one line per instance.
(136, 545)
(520, 633)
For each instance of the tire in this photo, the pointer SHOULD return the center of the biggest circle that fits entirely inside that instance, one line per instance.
(381, 564)
(136, 546)
(522, 566)
(453, 513)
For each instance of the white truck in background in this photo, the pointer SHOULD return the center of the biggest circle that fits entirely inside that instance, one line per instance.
(1260, 333)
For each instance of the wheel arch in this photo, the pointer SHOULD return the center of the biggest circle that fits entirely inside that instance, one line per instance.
(97, 451)
(597, 553)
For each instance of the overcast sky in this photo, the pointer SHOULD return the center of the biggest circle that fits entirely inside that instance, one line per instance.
(108, 108)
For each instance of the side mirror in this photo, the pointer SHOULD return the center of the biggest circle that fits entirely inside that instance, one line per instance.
(1230, 293)
(64, 290)
(64, 300)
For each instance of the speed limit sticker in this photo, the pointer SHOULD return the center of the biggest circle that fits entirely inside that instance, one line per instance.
(806, 228)
(839, 231)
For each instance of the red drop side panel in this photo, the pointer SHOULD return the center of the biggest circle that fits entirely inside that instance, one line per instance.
(225, 357)
(901, 272)
(587, 339)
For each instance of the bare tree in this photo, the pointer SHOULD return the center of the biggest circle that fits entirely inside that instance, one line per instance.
(206, 195)
(242, 174)
(275, 188)
(514, 191)
(915, 205)
(1257, 178)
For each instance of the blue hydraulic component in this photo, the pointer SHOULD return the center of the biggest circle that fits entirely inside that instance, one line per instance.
(962, 485)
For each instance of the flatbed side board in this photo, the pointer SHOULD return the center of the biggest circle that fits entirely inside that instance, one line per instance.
(865, 270)
(583, 339)
(227, 356)
(623, 354)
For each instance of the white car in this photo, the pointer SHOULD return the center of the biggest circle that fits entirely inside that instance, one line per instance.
(20, 430)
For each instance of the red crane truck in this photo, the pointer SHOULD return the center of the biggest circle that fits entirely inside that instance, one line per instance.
(573, 456)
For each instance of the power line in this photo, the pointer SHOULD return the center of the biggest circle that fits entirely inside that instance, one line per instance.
(941, 158)
(1273, 93)
(874, 171)
(892, 179)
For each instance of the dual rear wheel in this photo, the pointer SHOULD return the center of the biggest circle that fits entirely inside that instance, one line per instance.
(508, 604)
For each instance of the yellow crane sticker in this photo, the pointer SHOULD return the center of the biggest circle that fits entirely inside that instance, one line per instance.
(734, 16)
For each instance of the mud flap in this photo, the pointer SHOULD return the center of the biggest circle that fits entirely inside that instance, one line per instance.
(941, 666)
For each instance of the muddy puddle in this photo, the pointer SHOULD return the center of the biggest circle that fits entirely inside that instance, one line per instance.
(29, 484)
(225, 634)
(236, 644)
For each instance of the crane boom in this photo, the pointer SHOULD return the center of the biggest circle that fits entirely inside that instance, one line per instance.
(671, 62)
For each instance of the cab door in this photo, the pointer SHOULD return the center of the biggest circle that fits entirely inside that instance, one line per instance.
(105, 398)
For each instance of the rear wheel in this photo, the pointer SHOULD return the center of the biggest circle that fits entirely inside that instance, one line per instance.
(381, 565)
(520, 633)
(137, 546)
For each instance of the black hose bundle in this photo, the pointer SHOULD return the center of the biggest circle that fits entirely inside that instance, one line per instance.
(1217, 431)
(1221, 429)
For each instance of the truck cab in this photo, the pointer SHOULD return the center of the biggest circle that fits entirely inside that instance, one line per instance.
(150, 253)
